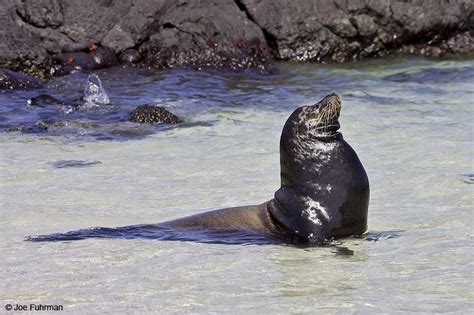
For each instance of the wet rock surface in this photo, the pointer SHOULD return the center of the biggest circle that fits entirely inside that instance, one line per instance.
(44, 100)
(10, 80)
(152, 114)
(339, 31)
(97, 58)
(53, 37)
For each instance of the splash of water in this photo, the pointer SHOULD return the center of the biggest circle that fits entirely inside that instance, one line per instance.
(94, 92)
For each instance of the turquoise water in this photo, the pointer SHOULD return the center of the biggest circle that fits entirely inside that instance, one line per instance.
(410, 121)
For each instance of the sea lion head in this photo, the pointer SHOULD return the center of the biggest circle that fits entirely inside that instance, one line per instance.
(324, 188)
(315, 121)
(308, 138)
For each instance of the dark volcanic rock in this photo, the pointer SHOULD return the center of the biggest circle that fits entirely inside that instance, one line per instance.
(248, 55)
(44, 99)
(104, 58)
(152, 114)
(10, 80)
(41, 13)
(237, 34)
(130, 56)
(77, 60)
(338, 31)
(39, 127)
(97, 58)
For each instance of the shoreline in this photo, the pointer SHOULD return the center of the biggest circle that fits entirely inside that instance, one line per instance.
(55, 38)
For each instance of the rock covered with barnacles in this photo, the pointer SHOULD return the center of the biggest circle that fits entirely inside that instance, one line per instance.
(153, 114)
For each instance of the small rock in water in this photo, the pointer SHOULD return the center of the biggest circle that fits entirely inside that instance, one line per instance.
(44, 99)
(94, 93)
(152, 114)
(39, 127)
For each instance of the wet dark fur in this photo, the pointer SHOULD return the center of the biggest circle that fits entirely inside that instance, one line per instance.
(324, 188)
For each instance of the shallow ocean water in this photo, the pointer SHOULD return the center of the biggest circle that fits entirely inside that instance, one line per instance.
(409, 120)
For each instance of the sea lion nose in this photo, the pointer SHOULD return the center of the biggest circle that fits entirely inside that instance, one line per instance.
(331, 103)
(332, 99)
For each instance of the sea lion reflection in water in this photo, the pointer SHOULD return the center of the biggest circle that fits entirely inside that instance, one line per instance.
(324, 190)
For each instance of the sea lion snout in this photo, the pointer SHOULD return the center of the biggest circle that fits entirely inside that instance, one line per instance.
(331, 100)
(323, 116)
(330, 106)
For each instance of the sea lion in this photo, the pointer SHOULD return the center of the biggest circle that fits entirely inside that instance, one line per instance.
(324, 190)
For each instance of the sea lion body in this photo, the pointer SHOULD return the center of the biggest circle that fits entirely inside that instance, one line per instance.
(329, 198)
(254, 219)
(324, 188)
